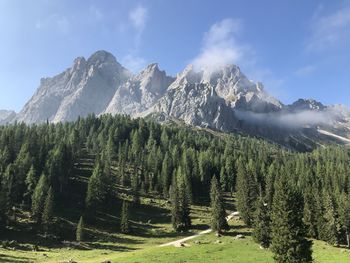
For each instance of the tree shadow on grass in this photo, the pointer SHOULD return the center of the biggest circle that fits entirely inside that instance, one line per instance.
(200, 227)
(103, 236)
(111, 247)
(14, 259)
(239, 230)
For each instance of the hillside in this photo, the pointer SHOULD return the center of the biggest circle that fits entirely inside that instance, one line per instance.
(55, 175)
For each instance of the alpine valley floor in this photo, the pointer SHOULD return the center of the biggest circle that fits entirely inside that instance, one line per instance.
(144, 244)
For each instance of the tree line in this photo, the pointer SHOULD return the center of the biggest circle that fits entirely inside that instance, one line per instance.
(183, 165)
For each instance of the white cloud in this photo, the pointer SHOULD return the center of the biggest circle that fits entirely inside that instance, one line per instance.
(305, 71)
(138, 17)
(220, 46)
(134, 63)
(331, 30)
(287, 119)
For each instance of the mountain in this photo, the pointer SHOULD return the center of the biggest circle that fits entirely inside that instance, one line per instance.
(223, 99)
(86, 87)
(140, 92)
(6, 116)
(210, 99)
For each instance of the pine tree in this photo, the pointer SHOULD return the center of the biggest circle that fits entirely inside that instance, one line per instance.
(31, 181)
(166, 174)
(330, 229)
(96, 191)
(262, 223)
(124, 220)
(48, 209)
(175, 207)
(246, 193)
(223, 179)
(218, 214)
(344, 216)
(80, 232)
(184, 201)
(310, 215)
(4, 202)
(38, 197)
(288, 243)
(135, 188)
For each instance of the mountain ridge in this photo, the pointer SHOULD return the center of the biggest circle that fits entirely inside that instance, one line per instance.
(223, 99)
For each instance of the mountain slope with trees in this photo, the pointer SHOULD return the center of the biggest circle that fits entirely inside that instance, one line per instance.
(41, 167)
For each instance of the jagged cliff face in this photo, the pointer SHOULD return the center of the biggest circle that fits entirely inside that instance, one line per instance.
(86, 87)
(140, 92)
(224, 99)
(209, 99)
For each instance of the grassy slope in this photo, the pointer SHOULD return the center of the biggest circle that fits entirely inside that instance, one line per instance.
(139, 248)
(208, 250)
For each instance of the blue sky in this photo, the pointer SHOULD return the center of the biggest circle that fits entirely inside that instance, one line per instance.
(296, 48)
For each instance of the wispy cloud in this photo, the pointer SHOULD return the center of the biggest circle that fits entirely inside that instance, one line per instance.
(134, 63)
(305, 71)
(220, 46)
(137, 18)
(329, 30)
(95, 12)
(290, 120)
(56, 22)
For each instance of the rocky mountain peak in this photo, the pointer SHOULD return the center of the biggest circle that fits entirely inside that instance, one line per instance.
(100, 57)
(307, 104)
(86, 87)
(153, 67)
(154, 80)
(140, 92)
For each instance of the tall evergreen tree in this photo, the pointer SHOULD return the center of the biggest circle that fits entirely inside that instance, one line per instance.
(344, 216)
(48, 211)
(135, 188)
(175, 207)
(38, 197)
(31, 181)
(262, 224)
(184, 200)
(218, 214)
(310, 214)
(246, 193)
(331, 227)
(124, 219)
(166, 174)
(96, 191)
(80, 232)
(288, 243)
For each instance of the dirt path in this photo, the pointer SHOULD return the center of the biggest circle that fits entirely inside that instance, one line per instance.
(178, 243)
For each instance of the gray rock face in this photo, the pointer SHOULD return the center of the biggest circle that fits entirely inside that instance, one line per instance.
(6, 116)
(140, 92)
(306, 104)
(86, 87)
(209, 99)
